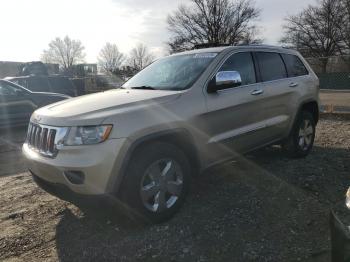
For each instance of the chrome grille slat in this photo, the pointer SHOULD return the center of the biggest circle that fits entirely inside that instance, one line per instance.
(42, 139)
(51, 141)
(37, 137)
(32, 135)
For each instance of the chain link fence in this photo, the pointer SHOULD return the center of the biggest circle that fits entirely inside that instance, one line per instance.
(334, 76)
(333, 72)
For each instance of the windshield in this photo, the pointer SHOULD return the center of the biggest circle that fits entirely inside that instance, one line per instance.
(7, 87)
(172, 73)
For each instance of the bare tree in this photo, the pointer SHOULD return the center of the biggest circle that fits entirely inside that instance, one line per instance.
(140, 57)
(65, 52)
(314, 31)
(213, 22)
(110, 59)
(343, 25)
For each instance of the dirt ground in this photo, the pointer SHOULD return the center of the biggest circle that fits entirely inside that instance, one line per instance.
(339, 99)
(262, 207)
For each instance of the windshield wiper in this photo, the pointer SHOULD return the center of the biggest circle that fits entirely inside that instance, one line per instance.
(143, 87)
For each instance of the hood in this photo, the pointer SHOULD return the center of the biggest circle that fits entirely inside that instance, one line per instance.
(94, 108)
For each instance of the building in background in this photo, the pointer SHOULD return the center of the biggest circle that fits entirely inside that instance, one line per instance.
(8, 68)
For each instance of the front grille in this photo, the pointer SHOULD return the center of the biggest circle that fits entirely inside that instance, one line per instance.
(42, 139)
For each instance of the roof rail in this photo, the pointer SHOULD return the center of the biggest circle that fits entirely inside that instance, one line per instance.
(261, 45)
(208, 45)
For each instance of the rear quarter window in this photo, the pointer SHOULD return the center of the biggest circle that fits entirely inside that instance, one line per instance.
(295, 66)
(271, 66)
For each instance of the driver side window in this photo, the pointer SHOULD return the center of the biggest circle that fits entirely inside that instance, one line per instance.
(243, 64)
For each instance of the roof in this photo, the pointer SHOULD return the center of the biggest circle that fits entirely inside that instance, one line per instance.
(225, 48)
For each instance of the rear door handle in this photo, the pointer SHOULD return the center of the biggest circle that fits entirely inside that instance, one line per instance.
(257, 92)
(293, 84)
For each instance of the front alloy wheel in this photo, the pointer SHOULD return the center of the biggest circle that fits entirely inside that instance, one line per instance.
(156, 181)
(161, 185)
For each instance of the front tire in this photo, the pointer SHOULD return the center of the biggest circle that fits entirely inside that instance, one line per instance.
(156, 181)
(301, 139)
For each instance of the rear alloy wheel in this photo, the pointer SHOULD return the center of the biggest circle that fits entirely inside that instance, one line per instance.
(301, 140)
(156, 182)
(305, 136)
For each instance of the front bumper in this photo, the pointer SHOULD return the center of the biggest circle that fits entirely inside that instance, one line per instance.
(98, 163)
(63, 192)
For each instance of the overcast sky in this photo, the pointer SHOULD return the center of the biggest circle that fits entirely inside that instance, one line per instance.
(29, 25)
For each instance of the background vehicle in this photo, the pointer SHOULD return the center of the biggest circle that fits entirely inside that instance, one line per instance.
(178, 116)
(54, 84)
(340, 230)
(17, 103)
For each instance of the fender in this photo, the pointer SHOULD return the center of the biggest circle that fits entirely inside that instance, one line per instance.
(117, 177)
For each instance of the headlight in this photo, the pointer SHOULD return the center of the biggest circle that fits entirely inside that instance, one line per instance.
(87, 135)
(347, 199)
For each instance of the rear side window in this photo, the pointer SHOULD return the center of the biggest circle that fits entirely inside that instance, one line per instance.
(62, 85)
(38, 85)
(295, 66)
(243, 64)
(271, 66)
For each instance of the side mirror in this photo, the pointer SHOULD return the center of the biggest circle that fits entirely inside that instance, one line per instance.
(224, 80)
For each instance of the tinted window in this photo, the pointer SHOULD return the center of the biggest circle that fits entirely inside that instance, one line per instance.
(61, 85)
(294, 66)
(38, 85)
(243, 64)
(271, 66)
(20, 82)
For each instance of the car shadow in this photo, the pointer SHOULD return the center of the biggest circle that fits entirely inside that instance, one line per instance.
(263, 206)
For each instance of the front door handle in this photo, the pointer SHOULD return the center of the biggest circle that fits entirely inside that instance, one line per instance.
(257, 92)
(293, 84)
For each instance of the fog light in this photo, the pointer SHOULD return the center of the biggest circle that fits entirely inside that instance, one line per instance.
(75, 177)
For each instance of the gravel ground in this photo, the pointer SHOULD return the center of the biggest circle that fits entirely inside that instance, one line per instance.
(262, 207)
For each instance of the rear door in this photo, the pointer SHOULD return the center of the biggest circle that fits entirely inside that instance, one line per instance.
(281, 96)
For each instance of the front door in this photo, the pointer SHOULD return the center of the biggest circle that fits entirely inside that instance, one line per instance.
(235, 114)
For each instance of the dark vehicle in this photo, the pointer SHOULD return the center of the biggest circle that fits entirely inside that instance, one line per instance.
(17, 103)
(55, 84)
(340, 230)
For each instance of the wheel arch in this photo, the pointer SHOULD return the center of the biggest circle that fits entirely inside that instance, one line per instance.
(312, 107)
(180, 138)
(308, 105)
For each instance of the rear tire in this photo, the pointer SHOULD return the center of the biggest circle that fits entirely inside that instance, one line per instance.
(156, 182)
(301, 139)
